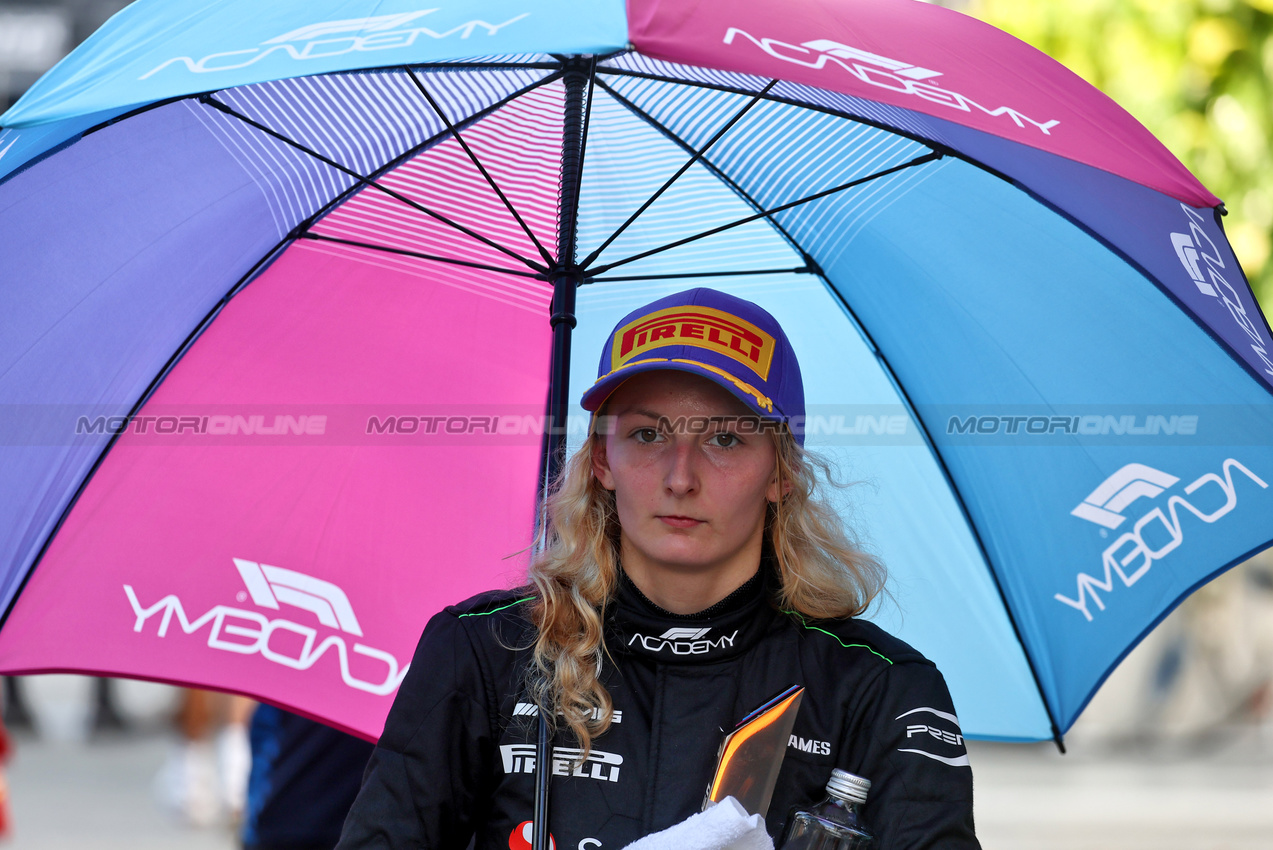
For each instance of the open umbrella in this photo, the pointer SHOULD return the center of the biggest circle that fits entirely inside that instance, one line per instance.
(289, 289)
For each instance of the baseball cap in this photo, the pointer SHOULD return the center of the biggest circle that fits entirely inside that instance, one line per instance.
(725, 339)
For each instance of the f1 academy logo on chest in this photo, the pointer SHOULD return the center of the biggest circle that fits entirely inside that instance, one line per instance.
(683, 641)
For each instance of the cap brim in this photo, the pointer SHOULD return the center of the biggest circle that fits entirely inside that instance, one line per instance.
(603, 388)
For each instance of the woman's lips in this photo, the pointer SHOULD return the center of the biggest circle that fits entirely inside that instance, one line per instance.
(681, 521)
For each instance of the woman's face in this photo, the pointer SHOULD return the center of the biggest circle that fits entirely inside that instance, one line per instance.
(691, 481)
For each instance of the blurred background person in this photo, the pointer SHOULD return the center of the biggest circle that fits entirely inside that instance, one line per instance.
(304, 779)
(204, 779)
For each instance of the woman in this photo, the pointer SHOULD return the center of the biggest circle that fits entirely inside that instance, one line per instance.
(688, 574)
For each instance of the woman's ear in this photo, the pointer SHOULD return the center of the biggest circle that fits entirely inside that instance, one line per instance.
(777, 484)
(601, 463)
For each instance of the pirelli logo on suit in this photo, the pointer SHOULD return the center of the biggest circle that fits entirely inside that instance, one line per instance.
(702, 327)
(566, 761)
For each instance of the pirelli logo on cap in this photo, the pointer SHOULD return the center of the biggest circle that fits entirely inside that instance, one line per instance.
(703, 327)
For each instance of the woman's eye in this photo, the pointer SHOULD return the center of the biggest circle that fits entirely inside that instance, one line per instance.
(724, 440)
(645, 435)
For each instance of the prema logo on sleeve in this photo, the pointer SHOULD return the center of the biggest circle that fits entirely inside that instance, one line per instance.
(1156, 533)
(277, 639)
(933, 734)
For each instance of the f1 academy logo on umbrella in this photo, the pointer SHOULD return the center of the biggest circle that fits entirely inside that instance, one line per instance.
(281, 641)
(881, 72)
(1204, 262)
(1131, 556)
(334, 38)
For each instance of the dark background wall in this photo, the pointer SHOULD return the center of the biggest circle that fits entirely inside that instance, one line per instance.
(35, 34)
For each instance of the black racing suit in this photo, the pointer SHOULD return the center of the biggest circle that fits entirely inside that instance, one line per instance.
(456, 759)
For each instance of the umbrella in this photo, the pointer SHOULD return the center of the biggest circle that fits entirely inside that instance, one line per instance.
(290, 296)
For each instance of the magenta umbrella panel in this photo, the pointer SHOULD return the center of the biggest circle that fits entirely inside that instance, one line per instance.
(290, 296)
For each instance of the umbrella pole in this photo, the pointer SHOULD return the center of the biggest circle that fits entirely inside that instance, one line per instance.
(543, 769)
(577, 75)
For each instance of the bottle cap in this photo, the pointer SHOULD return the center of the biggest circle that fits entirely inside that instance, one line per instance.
(848, 787)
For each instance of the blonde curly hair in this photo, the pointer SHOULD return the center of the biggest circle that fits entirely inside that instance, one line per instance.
(823, 575)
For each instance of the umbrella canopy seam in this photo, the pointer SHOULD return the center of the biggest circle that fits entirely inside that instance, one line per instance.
(688, 275)
(388, 249)
(697, 154)
(375, 184)
(1265, 382)
(711, 166)
(764, 214)
(454, 131)
(813, 107)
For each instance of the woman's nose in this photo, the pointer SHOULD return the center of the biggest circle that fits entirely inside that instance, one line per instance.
(681, 478)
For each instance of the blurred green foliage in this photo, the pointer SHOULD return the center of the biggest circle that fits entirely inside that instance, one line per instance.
(1195, 72)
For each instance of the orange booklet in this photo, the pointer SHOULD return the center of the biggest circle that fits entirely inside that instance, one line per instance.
(751, 756)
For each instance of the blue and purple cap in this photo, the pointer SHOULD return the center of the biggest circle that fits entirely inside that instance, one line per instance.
(704, 332)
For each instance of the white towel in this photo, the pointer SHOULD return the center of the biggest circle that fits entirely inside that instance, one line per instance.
(725, 826)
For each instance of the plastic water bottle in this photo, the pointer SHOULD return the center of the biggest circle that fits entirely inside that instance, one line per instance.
(835, 823)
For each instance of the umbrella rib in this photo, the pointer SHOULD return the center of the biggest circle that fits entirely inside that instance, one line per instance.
(472, 155)
(919, 160)
(228, 110)
(812, 107)
(697, 155)
(490, 66)
(712, 167)
(680, 275)
(320, 237)
(583, 140)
